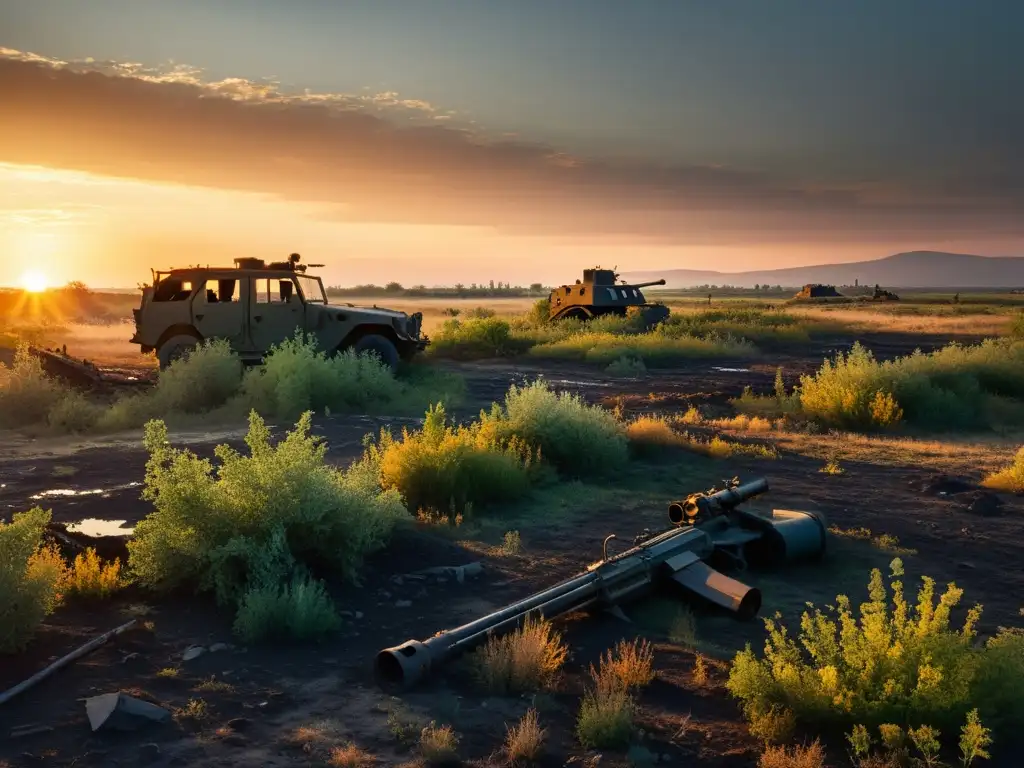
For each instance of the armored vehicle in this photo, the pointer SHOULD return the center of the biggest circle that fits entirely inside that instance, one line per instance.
(255, 305)
(599, 294)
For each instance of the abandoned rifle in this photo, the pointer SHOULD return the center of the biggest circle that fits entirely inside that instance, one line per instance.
(707, 526)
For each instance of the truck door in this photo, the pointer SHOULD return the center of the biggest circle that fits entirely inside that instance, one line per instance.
(218, 310)
(275, 312)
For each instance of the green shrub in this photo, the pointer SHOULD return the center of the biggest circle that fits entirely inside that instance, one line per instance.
(204, 379)
(298, 610)
(256, 521)
(478, 337)
(951, 388)
(897, 664)
(627, 367)
(30, 578)
(297, 377)
(442, 468)
(577, 438)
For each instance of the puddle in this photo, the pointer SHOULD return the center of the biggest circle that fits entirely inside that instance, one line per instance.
(70, 492)
(96, 527)
(730, 370)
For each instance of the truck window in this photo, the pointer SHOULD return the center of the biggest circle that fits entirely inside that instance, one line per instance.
(223, 291)
(173, 289)
(274, 290)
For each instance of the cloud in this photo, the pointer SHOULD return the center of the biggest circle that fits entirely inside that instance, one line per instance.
(383, 157)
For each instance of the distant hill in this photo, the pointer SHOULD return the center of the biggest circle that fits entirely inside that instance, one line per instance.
(914, 269)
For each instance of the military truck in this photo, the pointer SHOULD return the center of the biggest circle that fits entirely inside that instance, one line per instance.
(255, 305)
(599, 294)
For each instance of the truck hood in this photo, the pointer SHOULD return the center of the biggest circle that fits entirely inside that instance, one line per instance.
(385, 315)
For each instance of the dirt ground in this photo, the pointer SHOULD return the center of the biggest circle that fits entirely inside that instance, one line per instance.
(289, 705)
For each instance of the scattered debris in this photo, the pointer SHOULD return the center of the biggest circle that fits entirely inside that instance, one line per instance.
(193, 652)
(121, 712)
(63, 661)
(403, 603)
(216, 647)
(29, 729)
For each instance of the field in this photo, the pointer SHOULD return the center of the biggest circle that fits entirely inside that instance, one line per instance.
(657, 416)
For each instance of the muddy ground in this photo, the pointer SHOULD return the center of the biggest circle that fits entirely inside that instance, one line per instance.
(288, 705)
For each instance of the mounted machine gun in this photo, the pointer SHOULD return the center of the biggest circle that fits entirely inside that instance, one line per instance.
(708, 526)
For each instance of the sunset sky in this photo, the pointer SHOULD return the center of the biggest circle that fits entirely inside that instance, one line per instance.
(442, 141)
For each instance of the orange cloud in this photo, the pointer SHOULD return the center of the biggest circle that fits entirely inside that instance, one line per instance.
(382, 157)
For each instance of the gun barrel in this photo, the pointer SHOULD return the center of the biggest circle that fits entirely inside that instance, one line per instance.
(649, 283)
(407, 663)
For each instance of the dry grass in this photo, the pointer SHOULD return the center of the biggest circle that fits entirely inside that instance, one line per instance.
(701, 675)
(954, 454)
(213, 685)
(90, 577)
(196, 709)
(605, 719)
(168, 673)
(811, 756)
(525, 741)
(439, 745)
(878, 319)
(652, 434)
(350, 756)
(527, 659)
(632, 663)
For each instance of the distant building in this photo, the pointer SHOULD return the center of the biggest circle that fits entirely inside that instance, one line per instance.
(818, 291)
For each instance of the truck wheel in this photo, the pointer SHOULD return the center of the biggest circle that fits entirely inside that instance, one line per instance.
(175, 348)
(381, 346)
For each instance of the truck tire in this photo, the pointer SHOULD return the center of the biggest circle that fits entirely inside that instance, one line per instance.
(381, 346)
(175, 348)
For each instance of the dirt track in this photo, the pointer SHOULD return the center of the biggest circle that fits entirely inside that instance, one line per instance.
(258, 698)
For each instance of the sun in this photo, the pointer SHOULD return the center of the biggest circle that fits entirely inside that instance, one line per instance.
(34, 282)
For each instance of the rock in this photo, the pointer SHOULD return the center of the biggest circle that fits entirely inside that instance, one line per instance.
(359, 614)
(403, 603)
(945, 485)
(220, 647)
(397, 581)
(234, 739)
(984, 504)
(148, 753)
(239, 723)
(130, 657)
(120, 712)
(193, 652)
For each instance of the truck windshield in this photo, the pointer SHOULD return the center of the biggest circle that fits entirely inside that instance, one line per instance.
(312, 289)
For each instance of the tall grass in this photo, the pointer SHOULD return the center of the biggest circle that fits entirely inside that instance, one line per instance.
(253, 529)
(606, 339)
(954, 387)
